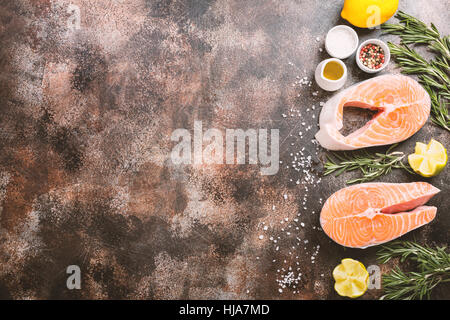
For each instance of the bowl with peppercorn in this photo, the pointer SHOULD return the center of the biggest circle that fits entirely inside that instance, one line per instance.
(373, 56)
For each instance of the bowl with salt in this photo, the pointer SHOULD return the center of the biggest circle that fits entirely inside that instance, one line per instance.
(341, 42)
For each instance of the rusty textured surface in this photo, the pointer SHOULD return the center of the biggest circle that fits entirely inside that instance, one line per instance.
(85, 173)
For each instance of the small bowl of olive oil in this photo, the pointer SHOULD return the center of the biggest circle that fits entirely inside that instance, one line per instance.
(331, 74)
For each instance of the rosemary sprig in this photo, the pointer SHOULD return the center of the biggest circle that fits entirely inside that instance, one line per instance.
(413, 63)
(433, 268)
(439, 109)
(371, 166)
(413, 31)
(433, 75)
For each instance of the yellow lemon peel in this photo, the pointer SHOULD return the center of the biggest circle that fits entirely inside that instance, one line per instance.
(368, 13)
(428, 160)
(351, 278)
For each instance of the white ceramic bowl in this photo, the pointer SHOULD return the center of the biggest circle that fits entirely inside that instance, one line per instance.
(327, 84)
(354, 45)
(387, 55)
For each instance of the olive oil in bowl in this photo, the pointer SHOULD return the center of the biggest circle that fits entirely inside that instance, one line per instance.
(331, 74)
(333, 71)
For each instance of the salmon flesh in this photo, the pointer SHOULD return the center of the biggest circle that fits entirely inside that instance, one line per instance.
(370, 214)
(403, 108)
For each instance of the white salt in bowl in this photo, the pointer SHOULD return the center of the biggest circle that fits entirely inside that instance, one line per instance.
(341, 42)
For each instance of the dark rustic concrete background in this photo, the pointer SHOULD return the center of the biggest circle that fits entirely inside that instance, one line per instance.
(85, 174)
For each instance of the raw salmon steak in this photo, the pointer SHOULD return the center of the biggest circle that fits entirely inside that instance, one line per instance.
(370, 214)
(403, 108)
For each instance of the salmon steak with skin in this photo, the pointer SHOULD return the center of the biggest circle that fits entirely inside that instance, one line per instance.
(370, 214)
(403, 108)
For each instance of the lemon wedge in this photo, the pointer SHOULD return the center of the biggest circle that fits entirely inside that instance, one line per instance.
(428, 160)
(351, 278)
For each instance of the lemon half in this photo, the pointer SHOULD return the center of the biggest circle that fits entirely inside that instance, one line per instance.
(352, 278)
(428, 160)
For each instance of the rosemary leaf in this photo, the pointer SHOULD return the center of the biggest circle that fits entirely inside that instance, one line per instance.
(413, 31)
(370, 166)
(433, 75)
(433, 268)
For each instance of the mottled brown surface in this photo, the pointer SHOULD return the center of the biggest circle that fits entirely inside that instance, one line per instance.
(85, 172)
